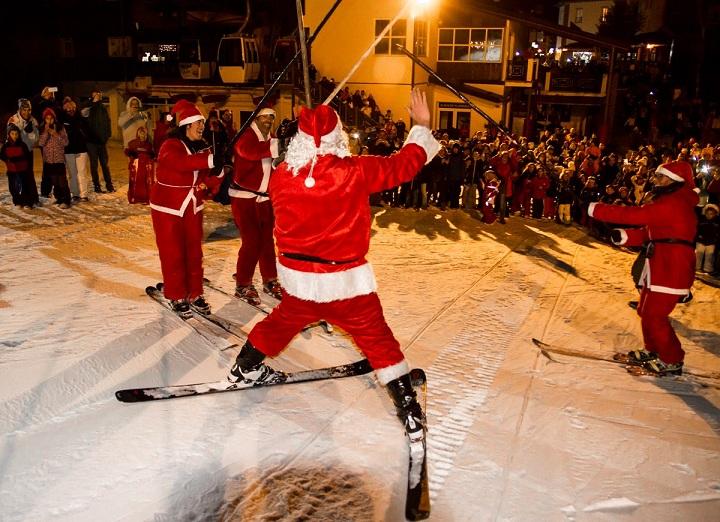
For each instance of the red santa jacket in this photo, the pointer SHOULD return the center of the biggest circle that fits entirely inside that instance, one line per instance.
(505, 171)
(253, 163)
(671, 269)
(539, 187)
(181, 177)
(331, 220)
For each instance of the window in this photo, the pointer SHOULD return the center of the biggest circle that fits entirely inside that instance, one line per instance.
(470, 45)
(420, 36)
(396, 35)
(579, 15)
(604, 15)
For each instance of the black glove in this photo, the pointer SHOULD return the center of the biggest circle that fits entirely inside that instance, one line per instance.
(616, 236)
(29, 127)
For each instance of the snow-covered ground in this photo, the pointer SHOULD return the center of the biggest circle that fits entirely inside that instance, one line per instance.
(512, 435)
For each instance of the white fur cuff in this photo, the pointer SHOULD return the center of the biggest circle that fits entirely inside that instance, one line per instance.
(591, 209)
(623, 237)
(422, 136)
(330, 286)
(390, 373)
(274, 147)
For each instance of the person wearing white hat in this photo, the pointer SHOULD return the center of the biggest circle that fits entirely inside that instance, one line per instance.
(666, 229)
(252, 211)
(322, 228)
(182, 182)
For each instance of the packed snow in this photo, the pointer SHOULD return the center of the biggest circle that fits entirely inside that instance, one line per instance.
(512, 435)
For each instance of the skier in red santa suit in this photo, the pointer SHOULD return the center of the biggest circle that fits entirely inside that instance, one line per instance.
(667, 231)
(322, 227)
(252, 210)
(182, 182)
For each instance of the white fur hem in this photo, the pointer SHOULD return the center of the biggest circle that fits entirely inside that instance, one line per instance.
(591, 209)
(390, 373)
(274, 147)
(327, 287)
(667, 290)
(623, 237)
(665, 172)
(422, 136)
(211, 161)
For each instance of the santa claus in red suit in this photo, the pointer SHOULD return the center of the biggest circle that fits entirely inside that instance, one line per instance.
(667, 225)
(251, 207)
(322, 228)
(182, 182)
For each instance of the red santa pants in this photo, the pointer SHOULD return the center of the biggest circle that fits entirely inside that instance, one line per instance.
(361, 317)
(179, 242)
(654, 309)
(255, 221)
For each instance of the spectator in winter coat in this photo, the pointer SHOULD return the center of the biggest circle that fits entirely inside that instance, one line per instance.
(539, 186)
(98, 121)
(53, 140)
(29, 134)
(489, 193)
(131, 119)
(456, 174)
(141, 168)
(707, 238)
(217, 137)
(162, 127)
(473, 180)
(667, 225)
(713, 187)
(565, 197)
(16, 156)
(77, 161)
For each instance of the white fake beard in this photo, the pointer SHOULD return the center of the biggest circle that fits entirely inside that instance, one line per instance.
(302, 150)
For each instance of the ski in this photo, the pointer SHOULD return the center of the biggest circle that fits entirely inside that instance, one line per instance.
(360, 367)
(417, 503)
(327, 327)
(155, 293)
(617, 358)
(232, 328)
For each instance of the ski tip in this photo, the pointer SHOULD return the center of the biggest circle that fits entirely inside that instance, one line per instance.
(418, 377)
(150, 290)
(538, 342)
(417, 514)
(130, 395)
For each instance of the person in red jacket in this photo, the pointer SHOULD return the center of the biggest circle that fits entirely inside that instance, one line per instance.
(251, 208)
(667, 225)
(539, 186)
(182, 183)
(322, 227)
(505, 164)
(141, 168)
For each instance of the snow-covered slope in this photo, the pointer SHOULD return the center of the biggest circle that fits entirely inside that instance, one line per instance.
(512, 435)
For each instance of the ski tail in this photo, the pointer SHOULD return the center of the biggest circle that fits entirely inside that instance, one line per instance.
(417, 503)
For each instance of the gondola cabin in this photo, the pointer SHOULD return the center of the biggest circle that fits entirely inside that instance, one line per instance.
(237, 59)
(195, 60)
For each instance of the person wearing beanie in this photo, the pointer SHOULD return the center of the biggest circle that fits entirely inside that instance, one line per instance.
(141, 168)
(320, 194)
(252, 211)
(666, 226)
(29, 134)
(182, 183)
(53, 140)
(16, 155)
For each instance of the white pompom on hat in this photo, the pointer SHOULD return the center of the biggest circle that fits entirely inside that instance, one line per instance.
(186, 112)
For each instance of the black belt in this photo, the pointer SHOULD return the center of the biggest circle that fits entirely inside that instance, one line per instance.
(235, 186)
(649, 246)
(313, 259)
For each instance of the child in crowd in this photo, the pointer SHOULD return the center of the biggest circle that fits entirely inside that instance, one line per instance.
(708, 234)
(490, 192)
(141, 168)
(53, 140)
(16, 156)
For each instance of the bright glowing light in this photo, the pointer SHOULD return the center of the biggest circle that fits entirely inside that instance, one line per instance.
(419, 7)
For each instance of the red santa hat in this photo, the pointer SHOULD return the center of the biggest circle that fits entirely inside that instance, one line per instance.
(320, 132)
(678, 171)
(186, 112)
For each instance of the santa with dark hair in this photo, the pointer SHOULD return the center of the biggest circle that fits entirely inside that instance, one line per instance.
(183, 181)
(666, 229)
(320, 195)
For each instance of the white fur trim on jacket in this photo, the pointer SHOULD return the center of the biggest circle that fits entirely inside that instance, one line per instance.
(330, 286)
(623, 237)
(670, 174)
(591, 210)
(422, 136)
(390, 373)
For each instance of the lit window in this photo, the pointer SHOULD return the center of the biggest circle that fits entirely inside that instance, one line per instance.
(420, 35)
(470, 45)
(579, 15)
(396, 35)
(604, 15)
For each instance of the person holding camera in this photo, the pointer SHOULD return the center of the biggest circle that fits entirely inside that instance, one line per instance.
(53, 140)
(29, 134)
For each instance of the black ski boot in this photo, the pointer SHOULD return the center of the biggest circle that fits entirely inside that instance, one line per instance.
(273, 288)
(182, 308)
(640, 357)
(409, 410)
(249, 368)
(200, 305)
